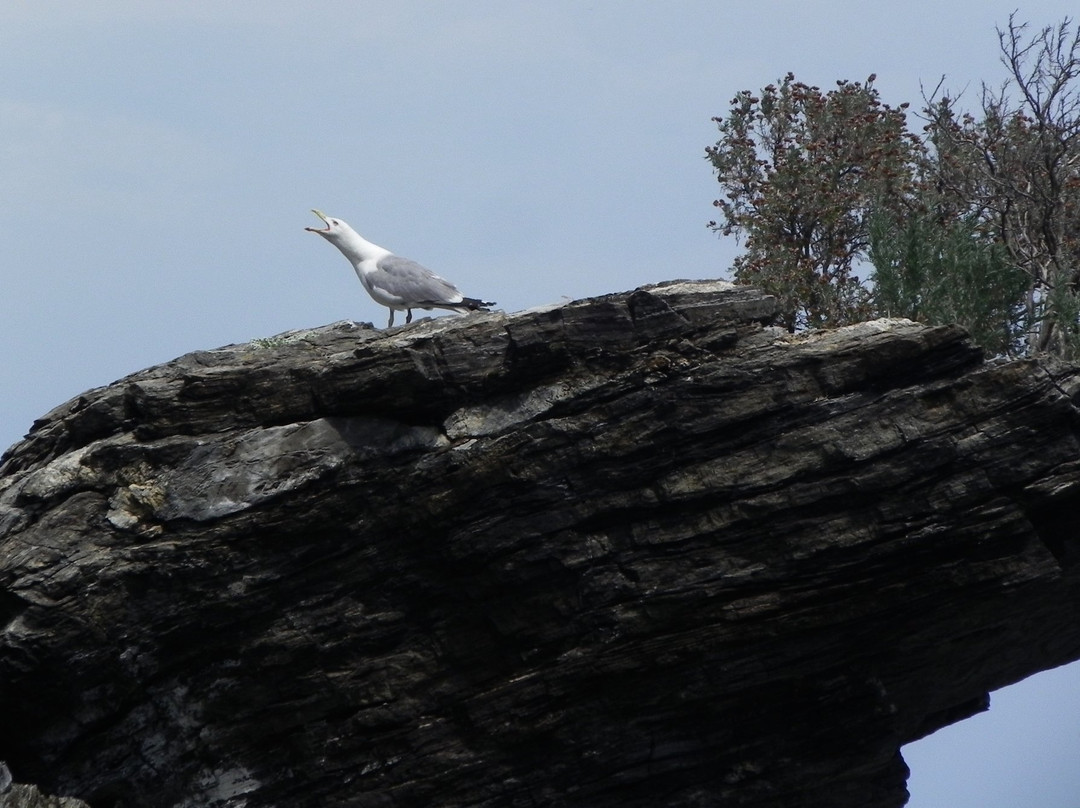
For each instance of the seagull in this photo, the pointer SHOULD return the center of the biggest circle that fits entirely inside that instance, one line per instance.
(393, 281)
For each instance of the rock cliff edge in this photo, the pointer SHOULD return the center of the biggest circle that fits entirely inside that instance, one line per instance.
(637, 550)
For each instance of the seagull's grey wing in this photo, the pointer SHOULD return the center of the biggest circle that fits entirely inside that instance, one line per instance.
(412, 283)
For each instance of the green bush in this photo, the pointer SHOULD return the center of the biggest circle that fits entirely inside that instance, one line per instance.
(942, 273)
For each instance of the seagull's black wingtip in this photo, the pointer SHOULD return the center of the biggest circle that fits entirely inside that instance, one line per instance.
(473, 304)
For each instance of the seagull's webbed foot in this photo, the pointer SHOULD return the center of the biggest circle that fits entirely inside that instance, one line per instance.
(408, 316)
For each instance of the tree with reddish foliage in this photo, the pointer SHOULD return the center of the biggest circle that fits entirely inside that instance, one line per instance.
(801, 171)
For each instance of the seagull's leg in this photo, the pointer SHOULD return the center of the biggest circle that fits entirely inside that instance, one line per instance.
(391, 323)
(408, 317)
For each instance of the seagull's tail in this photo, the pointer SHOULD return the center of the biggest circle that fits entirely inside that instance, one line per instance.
(463, 306)
(473, 304)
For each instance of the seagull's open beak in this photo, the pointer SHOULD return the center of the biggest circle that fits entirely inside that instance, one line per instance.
(322, 216)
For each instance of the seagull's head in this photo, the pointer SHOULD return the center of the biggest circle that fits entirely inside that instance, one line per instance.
(346, 239)
(335, 229)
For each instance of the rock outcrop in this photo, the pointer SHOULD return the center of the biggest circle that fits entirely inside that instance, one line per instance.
(639, 550)
(18, 795)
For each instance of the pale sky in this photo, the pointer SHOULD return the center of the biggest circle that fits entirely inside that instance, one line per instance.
(159, 160)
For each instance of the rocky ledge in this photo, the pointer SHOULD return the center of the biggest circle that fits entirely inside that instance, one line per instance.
(637, 550)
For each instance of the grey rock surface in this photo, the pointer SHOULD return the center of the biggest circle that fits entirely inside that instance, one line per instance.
(21, 795)
(636, 550)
